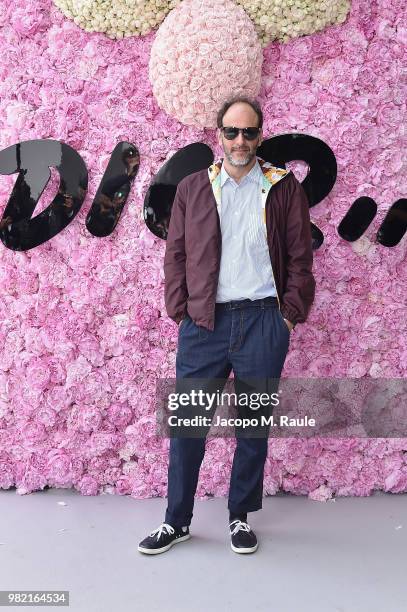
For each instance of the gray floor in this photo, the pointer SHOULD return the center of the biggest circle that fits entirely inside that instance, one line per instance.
(342, 556)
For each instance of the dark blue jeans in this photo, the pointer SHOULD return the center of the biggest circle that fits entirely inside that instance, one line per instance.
(252, 338)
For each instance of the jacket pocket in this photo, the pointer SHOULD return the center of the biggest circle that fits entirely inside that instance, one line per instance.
(202, 332)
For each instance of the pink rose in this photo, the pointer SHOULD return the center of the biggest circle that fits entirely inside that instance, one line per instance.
(87, 485)
(366, 79)
(6, 471)
(123, 486)
(326, 45)
(90, 418)
(389, 115)
(33, 432)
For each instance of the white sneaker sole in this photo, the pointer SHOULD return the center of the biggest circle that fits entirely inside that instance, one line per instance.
(151, 551)
(244, 550)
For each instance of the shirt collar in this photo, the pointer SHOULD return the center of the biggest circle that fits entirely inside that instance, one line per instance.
(253, 175)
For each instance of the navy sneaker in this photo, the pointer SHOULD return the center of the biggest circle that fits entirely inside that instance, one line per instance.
(162, 538)
(243, 538)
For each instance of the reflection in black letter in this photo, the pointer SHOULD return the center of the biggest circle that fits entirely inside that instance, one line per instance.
(32, 160)
(113, 190)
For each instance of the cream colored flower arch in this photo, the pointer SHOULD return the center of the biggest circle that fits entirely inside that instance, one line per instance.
(273, 19)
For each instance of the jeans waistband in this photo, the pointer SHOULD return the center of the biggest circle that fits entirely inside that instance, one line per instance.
(267, 302)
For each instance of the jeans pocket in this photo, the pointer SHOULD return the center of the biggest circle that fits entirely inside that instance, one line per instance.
(202, 332)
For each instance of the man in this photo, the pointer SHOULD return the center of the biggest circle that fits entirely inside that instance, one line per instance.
(238, 276)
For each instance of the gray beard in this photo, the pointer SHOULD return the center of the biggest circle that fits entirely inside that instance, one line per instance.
(243, 162)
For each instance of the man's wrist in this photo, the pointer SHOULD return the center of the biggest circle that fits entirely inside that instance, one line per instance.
(290, 325)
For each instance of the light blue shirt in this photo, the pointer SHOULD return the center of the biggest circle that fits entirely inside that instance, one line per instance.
(245, 267)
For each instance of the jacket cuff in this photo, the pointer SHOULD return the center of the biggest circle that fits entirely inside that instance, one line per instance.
(291, 315)
(178, 318)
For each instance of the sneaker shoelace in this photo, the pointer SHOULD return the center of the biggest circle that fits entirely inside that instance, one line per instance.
(240, 525)
(163, 528)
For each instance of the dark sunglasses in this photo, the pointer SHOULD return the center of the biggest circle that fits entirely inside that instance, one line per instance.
(249, 133)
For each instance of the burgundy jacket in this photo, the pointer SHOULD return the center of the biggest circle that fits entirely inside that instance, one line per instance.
(193, 249)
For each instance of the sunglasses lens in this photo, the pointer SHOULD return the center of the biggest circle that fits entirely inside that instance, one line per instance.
(250, 133)
(230, 132)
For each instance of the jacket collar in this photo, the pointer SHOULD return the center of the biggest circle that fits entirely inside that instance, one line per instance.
(271, 176)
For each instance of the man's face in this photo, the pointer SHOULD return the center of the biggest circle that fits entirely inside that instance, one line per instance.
(240, 152)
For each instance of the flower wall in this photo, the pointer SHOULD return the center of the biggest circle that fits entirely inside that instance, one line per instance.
(83, 330)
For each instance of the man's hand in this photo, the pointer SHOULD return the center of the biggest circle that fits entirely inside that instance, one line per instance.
(289, 324)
